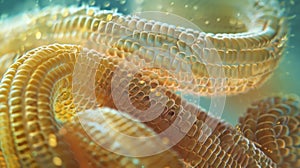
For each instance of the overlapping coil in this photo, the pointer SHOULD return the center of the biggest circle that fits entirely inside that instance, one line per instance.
(32, 85)
(30, 124)
(274, 124)
(247, 58)
(38, 108)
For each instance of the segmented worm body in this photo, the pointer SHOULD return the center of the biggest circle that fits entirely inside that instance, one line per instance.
(246, 59)
(41, 114)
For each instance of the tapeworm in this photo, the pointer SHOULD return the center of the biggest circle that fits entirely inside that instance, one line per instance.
(37, 110)
(36, 96)
(248, 58)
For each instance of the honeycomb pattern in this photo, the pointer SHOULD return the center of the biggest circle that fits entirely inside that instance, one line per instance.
(92, 155)
(247, 58)
(43, 138)
(274, 124)
(39, 107)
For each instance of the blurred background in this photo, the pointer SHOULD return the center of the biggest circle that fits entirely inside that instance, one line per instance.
(285, 80)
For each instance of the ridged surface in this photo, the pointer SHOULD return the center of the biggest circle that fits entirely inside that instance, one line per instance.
(38, 106)
(34, 83)
(30, 122)
(248, 58)
(274, 124)
(90, 154)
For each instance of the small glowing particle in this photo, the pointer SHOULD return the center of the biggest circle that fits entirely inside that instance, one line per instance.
(38, 35)
(218, 19)
(157, 94)
(109, 17)
(57, 161)
(92, 2)
(90, 12)
(136, 161)
(106, 4)
(52, 140)
(195, 7)
(172, 3)
(142, 82)
(206, 22)
(122, 2)
(65, 13)
(186, 6)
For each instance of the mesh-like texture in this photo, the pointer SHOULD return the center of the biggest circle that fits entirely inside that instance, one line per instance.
(38, 105)
(34, 82)
(274, 124)
(248, 58)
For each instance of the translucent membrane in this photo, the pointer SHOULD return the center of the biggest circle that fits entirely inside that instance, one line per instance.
(102, 130)
(33, 134)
